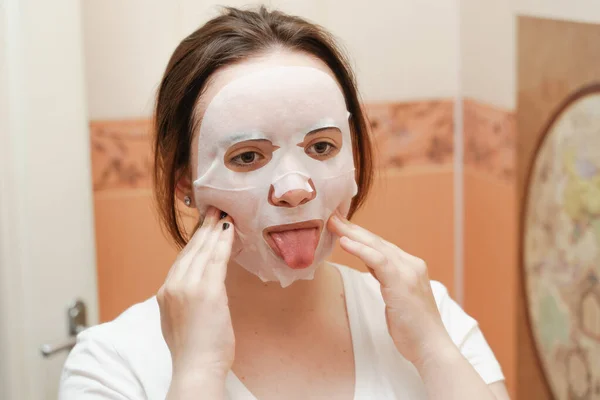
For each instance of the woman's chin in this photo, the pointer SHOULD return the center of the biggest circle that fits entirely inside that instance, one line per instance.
(302, 262)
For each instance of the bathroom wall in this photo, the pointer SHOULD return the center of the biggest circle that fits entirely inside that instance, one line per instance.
(406, 61)
(487, 77)
(439, 83)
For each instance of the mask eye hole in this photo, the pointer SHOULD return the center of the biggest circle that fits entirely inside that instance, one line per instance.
(322, 144)
(247, 159)
(249, 155)
(321, 149)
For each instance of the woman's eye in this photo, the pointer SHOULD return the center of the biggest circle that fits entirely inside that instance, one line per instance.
(247, 159)
(320, 149)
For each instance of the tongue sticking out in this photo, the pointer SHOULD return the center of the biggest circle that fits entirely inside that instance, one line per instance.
(297, 247)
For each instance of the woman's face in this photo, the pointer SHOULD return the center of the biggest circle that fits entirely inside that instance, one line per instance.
(273, 150)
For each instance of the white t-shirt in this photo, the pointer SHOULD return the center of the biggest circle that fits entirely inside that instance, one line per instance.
(128, 358)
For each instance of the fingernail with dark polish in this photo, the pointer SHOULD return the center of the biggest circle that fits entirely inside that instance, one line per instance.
(226, 226)
(223, 214)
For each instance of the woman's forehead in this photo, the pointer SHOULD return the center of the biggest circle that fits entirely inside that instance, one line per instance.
(283, 99)
(276, 58)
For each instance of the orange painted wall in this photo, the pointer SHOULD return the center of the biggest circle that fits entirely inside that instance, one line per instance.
(490, 229)
(414, 210)
(411, 203)
(133, 257)
(490, 261)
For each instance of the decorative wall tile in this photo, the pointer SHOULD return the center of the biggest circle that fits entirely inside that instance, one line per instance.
(489, 139)
(405, 134)
(412, 133)
(121, 154)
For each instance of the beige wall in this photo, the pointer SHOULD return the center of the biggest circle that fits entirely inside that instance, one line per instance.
(569, 10)
(488, 42)
(402, 50)
(487, 52)
(127, 45)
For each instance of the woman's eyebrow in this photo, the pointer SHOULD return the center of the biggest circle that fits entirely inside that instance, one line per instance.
(338, 130)
(322, 129)
(241, 137)
(264, 143)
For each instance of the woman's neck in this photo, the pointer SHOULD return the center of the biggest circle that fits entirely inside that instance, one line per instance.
(254, 301)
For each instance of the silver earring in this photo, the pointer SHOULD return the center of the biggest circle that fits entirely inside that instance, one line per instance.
(187, 201)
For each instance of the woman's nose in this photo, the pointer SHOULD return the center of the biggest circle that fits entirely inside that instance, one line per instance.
(292, 198)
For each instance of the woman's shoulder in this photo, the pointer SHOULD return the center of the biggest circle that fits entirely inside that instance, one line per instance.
(457, 322)
(127, 356)
(368, 305)
(125, 337)
(140, 322)
(366, 281)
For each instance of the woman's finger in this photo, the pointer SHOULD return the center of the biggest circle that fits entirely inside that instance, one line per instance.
(216, 270)
(384, 269)
(342, 227)
(201, 259)
(184, 259)
(370, 256)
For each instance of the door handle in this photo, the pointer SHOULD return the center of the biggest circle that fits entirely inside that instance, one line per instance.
(51, 349)
(77, 319)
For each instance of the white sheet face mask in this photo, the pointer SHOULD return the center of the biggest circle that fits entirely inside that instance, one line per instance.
(287, 115)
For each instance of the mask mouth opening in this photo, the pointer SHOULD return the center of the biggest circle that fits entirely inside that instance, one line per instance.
(295, 243)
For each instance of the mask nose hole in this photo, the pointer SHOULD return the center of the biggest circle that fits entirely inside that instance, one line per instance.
(292, 198)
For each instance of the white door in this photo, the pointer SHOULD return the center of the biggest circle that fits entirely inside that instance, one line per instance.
(46, 216)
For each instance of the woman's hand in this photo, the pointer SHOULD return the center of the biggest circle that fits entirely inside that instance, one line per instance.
(194, 312)
(413, 319)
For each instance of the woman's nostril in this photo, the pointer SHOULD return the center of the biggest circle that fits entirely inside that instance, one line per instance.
(292, 198)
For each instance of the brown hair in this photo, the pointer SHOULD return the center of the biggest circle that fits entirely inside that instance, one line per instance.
(227, 39)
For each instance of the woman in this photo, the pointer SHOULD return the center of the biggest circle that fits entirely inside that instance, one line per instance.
(259, 127)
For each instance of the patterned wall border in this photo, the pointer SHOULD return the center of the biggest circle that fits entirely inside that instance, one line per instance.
(412, 133)
(489, 139)
(405, 134)
(121, 154)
